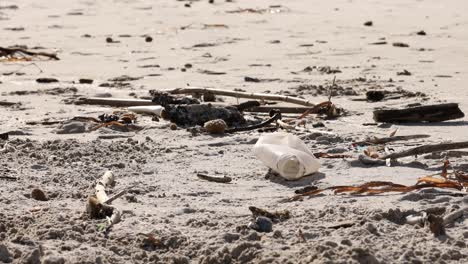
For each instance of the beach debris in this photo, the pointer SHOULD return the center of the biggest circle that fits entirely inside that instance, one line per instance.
(164, 99)
(322, 155)
(368, 23)
(377, 187)
(385, 140)
(427, 113)
(455, 215)
(400, 45)
(277, 216)
(46, 80)
(199, 114)
(261, 224)
(286, 154)
(10, 178)
(121, 121)
(21, 54)
(426, 149)
(85, 81)
(421, 33)
(6, 103)
(115, 102)
(39, 195)
(4, 136)
(436, 225)
(210, 72)
(217, 126)
(455, 180)
(237, 94)
(173, 126)
(275, 117)
(150, 109)
(99, 205)
(148, 39)
(404, 72)
(206, 177)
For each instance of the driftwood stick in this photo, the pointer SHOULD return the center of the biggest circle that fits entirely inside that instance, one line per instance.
(5, 103)
(11, 51)
(453, 216)
(390, 139)
(9, 178)
(206, 177)
(277, 116)
(427, 113)
(124, 102)
(426, 149)
(260, 96)
(116, 102)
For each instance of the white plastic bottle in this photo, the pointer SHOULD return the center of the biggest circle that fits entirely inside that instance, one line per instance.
(286, 154)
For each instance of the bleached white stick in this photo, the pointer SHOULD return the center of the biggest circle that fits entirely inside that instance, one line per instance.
(106, 181)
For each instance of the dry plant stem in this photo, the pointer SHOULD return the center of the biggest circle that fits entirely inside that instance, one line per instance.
(277, 116)
(452, 217)
(214, 179)
(5, 103)
(426, 149)
(390, 139)
(11, 51)
(260, 96)
(283, 125)
(9, 178)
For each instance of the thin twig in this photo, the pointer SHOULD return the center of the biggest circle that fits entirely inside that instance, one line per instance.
(206, 177)
(256, 126)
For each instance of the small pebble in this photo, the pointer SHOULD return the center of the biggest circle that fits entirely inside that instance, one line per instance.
(262, 224)
(173, 126)
(39, 195)
(148, 39)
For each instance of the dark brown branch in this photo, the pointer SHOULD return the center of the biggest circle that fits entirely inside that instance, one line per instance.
(256, 126)
(428, 113)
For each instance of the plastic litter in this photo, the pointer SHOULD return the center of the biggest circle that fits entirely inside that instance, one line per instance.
(147, 109)
(286, 154)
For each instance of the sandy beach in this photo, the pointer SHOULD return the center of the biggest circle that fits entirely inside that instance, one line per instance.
(414, 50)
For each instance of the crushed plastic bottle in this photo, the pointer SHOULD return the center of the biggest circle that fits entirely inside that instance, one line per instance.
(286, 154)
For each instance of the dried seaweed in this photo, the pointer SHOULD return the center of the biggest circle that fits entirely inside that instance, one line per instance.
(20, 54)
(277, 216)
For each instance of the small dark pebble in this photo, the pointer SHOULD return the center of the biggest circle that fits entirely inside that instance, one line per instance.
(86, 81)
(188, 65)
(404, 72)
(148, 39)
(375, 96)
(251, 79)
(109, 40)
(262, 224)
(187, 5)
(39, 195)
(368, 24)
(421, 33)
(46, 80)
(318, 124)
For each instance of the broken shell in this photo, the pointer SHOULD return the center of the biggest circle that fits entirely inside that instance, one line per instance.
(217, 126)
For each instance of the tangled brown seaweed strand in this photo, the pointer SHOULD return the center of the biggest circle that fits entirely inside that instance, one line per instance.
(18, 54)
(376, 187)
